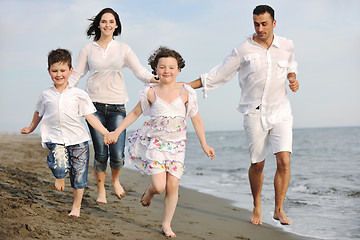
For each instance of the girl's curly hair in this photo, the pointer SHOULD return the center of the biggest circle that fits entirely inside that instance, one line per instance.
(164, 52)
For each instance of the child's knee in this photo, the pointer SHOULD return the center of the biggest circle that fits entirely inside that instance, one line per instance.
(158, 188)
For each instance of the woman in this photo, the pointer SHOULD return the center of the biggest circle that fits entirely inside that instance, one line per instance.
(105, 59)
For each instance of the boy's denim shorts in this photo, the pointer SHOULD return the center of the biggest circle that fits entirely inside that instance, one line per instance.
(72, 159)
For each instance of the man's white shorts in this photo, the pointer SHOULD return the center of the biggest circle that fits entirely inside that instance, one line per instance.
(261, 142)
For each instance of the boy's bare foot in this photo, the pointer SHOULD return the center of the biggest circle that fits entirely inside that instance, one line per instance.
(280, 215)
(256, 216)
(145, 201)
(119, 190)
(60, 184)
(75, 212)
(168, 232)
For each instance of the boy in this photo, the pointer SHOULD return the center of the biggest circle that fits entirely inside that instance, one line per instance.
(60, 108)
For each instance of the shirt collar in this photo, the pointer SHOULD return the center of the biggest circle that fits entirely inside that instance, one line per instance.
(275, 41)
(67, 87)
(96, 44)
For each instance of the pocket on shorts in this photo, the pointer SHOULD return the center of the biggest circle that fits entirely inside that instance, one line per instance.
(79, 158)
(250, 116)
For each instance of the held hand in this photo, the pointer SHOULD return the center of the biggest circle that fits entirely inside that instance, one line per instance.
(110, 138)
(294, 84)
(25, 130)
(210, 152)
(107, 139)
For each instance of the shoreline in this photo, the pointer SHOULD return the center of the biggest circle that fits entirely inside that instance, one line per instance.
(32, 208)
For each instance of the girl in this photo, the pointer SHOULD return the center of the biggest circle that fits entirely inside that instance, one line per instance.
(158, 148)
(105, 59)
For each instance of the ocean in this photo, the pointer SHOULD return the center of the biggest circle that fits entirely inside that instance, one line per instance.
(324, 193)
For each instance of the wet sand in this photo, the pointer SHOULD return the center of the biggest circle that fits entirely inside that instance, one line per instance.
(31, 208)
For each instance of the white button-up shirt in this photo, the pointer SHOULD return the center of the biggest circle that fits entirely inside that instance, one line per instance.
(106, 81)
(62, 115)
(262, 77)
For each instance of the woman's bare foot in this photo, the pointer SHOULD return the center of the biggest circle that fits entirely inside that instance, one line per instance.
(60, 184)
(101, 196)
(280, 216)
(256, 216)
(101, 191)
(75, 212)
(119, 190)
(167, 231)
(145, 200)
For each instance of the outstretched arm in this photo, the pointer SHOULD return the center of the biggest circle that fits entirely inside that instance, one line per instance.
(96, 124)
(196, 84)
(200, 132)
(129, 119)
(294, 84)
(34, 123)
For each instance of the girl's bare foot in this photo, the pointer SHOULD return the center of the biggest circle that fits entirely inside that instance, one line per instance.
(256, 216)
(60, 184)
(145, 201)
(75, 212)
(119, 190)
(167, 231)
(281, 217)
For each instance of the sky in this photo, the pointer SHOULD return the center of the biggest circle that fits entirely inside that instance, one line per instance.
(326, 34)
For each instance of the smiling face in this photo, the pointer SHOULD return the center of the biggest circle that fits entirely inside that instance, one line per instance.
(167, 69)
(107, 24)
(60, 73)
(264, 27)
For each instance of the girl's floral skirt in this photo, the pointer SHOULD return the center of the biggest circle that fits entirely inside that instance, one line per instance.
(159, 146)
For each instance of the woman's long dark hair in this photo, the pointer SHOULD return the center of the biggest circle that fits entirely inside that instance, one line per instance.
(94, 26)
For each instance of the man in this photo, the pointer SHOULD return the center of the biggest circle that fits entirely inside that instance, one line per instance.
(264, 61)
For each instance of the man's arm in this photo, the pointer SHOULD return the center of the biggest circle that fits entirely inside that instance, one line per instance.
(196, 83)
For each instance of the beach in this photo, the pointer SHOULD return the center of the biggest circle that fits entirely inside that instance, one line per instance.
(31, 208)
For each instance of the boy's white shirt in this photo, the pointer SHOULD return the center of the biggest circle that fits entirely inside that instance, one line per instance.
(62, 115)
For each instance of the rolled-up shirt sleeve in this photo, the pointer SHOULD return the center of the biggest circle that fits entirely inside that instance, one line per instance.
(292, 68)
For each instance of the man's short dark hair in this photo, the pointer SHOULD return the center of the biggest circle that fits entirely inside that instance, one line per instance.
(261, 9)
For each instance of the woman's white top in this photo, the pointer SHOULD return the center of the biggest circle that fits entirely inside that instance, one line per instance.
(106, 83)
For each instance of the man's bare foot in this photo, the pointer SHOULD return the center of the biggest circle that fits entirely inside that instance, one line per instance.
(280, 216)
(256, 216)
(60, 184)
(75, 212)
(101, 196)
(119, 190)
(168, 232)
(145, 201)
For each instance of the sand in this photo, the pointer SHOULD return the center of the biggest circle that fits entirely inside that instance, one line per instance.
(31, 208)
